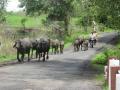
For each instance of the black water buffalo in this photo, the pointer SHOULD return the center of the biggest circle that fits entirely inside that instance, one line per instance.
(43, 48)
(80, 42)
(61, 46)
(76, 45)
(23, 47)
(85, 45)
(55, 46)
(34, 46)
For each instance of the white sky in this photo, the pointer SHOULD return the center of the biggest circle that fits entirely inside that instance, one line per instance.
(13, 5)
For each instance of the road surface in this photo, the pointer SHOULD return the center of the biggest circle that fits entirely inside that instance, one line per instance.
(69, 71)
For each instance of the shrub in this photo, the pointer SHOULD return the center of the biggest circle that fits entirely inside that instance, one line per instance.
(112, 53)
(100, 58)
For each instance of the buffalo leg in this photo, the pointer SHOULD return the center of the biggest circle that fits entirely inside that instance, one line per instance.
(36, 54)
(43, 56)
(32, 54)
(28, 56)
(55, 50)
(47, 56)
(18, 57)
(81, 47)
(74, 48)
(39, 56)
(22, 57)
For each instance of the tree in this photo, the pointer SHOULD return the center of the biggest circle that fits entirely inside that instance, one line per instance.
(33, 7)
(61, 10)
(2, 10)
(57, 10)
(110, 9)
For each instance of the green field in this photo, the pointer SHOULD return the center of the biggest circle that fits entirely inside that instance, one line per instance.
(14, 20)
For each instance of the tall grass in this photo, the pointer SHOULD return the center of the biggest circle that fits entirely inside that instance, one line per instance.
(6, 49)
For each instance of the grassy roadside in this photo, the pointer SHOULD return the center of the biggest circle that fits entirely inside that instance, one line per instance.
(100, 60)
(100, 77)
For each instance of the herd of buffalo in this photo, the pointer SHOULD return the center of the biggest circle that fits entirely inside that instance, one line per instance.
(83, 44)
(42, 46)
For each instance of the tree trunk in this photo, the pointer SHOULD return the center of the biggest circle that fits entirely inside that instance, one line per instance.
(66, 23)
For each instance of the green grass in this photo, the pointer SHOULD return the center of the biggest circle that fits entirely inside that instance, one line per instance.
(14, 20)
(68, 45)
(6, 58)
(100, 77)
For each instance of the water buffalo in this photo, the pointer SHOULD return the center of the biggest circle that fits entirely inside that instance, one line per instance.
(61, 46)
(76, 45)
(34, 46)
(81, 40)
(85, 45)
(43, 48)
(55, 46)
(23, 47)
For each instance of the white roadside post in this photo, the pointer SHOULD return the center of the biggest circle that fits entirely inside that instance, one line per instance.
(112, 63)
(118, 81)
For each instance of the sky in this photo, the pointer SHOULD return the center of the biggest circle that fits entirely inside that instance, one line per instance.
(13, 6)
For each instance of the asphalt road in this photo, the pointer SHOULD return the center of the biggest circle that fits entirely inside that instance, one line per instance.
(69, 71)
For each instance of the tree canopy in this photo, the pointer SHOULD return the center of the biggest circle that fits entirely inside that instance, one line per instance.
(57, 10)
(110, 10)
(103, 11)
(2, 10)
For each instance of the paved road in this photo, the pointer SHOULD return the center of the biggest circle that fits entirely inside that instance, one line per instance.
(70, 71)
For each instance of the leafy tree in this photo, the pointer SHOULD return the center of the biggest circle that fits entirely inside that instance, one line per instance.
(33, 7)
(57, 10)
(110, 10)
(2, 10)
(61, 10)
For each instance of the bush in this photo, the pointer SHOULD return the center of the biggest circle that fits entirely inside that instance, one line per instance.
(112, 53)
(100, 58)
(118, 46)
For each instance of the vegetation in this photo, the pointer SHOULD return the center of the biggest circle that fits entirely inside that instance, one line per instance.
(102, 58)
(14, 20)
(2, 10)
(61, 19)
(108, 11)
(57, 10)
(70, 17)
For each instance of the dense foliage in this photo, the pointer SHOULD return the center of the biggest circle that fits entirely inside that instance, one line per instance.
(57, 10)
(108, 10)
(102, 58)
(2, 10)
